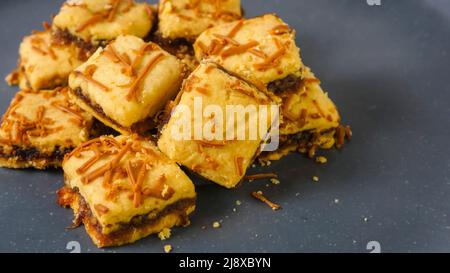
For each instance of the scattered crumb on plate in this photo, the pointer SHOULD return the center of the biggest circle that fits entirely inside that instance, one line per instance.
(275, 181)
(321, 159)
(167, 248)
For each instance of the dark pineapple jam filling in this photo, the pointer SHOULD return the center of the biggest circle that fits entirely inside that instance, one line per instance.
(97, 108)
(31, 154)
(144, 220)
(302, 140)
(290, 83)
(174, 47)
(140, 126)
(306, 142)
(67, 197)
(87, 49)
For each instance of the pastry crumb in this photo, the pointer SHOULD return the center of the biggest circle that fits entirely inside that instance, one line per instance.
(264, 163)
(275, 181)
(216, 224)
(167, 248)
(238, 202)
(165, 234)
(315, 179)
(321, 160)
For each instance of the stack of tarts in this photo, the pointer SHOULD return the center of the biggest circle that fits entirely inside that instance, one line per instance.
(121, 66)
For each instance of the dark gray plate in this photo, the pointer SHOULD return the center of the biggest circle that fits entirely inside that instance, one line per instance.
(387, 68)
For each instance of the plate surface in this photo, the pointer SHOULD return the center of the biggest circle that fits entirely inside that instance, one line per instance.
(387, 68)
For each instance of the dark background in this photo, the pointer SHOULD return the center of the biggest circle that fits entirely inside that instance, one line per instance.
(387, 68)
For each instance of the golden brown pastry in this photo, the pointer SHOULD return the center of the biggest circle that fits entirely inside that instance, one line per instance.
(44, 63)
(89, 23)
(261, 50)
(123, 189)
(127, 83)
(187, 19)
(224, 158)
(40, 127)
(308, 107)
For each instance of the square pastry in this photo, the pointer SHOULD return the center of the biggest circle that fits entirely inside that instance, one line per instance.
(90, 23)
(203, 130)
(187, 19)
(261, 50)
(127, 83)
(44, 63)
(123, 189)
(40, 127)
(182, 21)
(310, 119)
